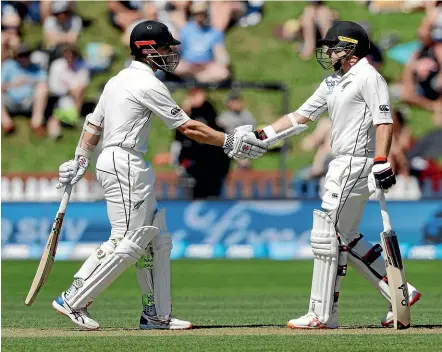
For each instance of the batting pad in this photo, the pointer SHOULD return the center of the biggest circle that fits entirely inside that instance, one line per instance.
(128, 251)
(325, 249)
(153, 270)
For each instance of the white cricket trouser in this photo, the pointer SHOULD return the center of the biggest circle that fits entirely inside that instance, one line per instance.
(128, 183)
(346, 193)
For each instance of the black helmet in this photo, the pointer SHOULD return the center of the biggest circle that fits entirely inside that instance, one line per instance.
(146, 37)
(343, 37)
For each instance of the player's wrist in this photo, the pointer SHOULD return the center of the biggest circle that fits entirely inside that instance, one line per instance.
(380, 160)
(228, 141)
(80, 152)
(265, 133)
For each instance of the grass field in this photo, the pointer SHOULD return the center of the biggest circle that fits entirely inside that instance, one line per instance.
(256, 56)
(234, 306)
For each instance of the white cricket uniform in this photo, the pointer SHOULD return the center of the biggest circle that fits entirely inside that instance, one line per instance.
(125, 112)
(356, 103)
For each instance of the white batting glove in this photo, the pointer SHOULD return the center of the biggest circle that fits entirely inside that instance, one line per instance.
(243, 144)
(70, 172)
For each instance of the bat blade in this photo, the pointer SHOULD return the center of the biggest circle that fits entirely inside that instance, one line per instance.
(46, 261)
(397, 281)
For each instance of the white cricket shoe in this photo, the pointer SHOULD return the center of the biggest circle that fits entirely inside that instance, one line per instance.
(413, 297)
(80, 316)
(310, 321)
(148, 322)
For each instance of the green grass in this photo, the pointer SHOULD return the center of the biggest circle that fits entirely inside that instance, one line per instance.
(256, 56)
(214, 294)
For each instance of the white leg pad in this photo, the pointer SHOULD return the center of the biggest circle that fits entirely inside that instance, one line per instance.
(107, 269)
(325, 249)
(162, 246)
(153, 271)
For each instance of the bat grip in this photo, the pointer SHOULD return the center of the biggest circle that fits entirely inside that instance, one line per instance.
(384, 212)
(65, 199)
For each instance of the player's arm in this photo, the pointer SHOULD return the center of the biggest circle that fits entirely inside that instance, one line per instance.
(374, 91)
(309, 111)
(202, 133)
(242, 144)
(70, 172)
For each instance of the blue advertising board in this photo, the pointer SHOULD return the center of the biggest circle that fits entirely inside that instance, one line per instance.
(274, 229)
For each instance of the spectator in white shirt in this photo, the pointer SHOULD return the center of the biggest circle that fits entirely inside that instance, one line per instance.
(63, 27)
(68, 79)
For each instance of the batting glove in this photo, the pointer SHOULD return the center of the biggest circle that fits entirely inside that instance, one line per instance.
(70, 172)
(243, 144)
(381, 176)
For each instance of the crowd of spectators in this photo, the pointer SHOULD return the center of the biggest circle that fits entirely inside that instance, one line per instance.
(47, 82)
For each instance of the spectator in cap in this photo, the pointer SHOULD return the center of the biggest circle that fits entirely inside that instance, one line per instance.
(24, 91)
(63, 27)
(236, 115)
(204, 55)
(422, 77)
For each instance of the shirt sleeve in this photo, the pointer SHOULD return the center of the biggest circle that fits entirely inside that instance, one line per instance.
(218, 38)
(375, 94)
(76, 25)
(97, 116)
(316, 104)
(49, 24)
(159, 100)
(6, 72)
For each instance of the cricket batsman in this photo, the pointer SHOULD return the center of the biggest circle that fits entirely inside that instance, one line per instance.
(123, 119)
(356, 97)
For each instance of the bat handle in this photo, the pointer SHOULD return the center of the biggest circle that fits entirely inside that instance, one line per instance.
(65, 199)
(384, 212)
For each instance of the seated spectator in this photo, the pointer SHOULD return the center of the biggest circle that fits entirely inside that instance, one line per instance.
(223, 14)
(63, 27)
(422, 78)
(203, 166)
(26, 10)
(316, 19)
(204, 56)
(318, 140)
(24, 91)
(68, 79)
(124, 13)
(402, 142)
(10, 36)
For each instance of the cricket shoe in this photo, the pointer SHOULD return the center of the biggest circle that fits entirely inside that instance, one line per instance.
(413, 297)
(80, 316)
(148, 322)
(311, 321)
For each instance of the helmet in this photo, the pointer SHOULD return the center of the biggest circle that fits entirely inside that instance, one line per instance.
(145, 39)
(344, 38)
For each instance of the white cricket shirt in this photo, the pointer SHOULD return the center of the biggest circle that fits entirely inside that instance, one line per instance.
(356, 102)
(127, 104)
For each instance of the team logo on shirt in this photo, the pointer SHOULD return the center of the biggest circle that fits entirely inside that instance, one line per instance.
(175, 111)
(345, 85)
(384, 108)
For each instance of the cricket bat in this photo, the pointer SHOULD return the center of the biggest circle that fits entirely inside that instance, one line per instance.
(395, 269)
(48, 256)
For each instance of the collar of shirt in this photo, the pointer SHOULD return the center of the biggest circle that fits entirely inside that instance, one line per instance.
(358, 67)
(140, 66)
